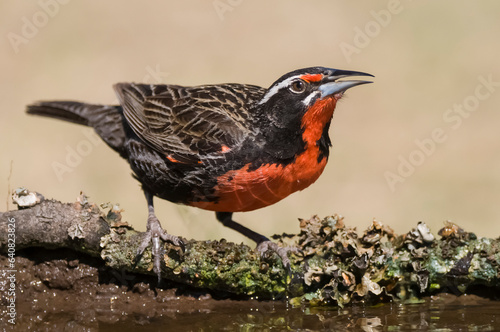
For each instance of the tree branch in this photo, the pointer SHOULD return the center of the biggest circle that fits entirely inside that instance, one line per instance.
(334, 263)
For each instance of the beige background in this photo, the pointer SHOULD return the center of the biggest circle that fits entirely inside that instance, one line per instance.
(426, 56)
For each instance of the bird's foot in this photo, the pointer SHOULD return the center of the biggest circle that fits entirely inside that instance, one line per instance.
(267, 245)
(153, 235)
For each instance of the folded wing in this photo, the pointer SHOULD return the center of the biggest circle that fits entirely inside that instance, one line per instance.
(187, 124)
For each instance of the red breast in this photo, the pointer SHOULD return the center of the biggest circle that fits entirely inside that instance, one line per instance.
(244, 190)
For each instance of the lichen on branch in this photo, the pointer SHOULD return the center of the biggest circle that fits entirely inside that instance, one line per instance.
(333, 264)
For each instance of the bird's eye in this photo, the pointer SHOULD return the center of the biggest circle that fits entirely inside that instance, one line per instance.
(298, 86)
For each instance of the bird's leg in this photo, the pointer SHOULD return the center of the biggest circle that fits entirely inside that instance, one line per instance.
(154, 232)
(263, 243)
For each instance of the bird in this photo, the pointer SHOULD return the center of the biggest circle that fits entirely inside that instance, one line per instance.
(221, 147)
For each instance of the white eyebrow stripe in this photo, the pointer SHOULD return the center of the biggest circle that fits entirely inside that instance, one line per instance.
(308, 99)
(277, 88)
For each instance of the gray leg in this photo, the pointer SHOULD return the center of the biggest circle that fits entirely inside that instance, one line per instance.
(154, 232)
(263, 243)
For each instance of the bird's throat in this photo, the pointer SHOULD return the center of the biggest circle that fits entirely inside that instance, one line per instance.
(315, 119)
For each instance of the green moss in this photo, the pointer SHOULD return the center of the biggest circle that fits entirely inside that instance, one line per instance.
(335, 264)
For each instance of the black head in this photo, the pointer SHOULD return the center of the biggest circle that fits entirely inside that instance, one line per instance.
(292, 94)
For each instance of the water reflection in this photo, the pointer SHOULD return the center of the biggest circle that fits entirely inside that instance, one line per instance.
(442, 312)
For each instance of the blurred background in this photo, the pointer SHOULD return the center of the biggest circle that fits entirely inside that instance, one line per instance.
(421, 143)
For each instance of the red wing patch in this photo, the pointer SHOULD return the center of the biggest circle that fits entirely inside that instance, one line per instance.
(172, 159)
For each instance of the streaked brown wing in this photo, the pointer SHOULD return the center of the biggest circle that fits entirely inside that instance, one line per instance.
(188, 123)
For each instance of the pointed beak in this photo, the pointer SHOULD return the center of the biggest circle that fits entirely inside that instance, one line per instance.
(332, 86)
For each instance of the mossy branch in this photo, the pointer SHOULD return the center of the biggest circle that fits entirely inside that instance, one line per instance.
(334, 265)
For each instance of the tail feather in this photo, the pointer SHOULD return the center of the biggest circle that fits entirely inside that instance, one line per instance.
(106, 120)
(63, 110)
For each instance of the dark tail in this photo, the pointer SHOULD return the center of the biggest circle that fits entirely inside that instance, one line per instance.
(107, 121)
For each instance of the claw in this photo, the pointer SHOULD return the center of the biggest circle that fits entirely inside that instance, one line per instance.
(282, 252)
(175, 240)
(156, 251)
(153, 235)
